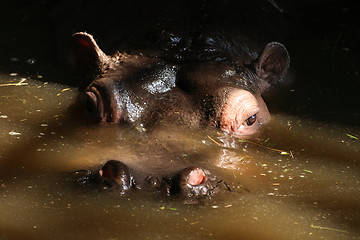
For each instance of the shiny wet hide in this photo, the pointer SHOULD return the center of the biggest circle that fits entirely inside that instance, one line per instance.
(299, 178)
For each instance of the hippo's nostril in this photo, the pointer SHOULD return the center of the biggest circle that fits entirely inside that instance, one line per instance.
(116, 175)
(193, 182)
(196, 177)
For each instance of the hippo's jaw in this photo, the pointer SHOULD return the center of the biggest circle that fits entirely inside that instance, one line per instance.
(243, 113)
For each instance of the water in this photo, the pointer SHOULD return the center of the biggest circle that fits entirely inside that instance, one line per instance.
(299, 179)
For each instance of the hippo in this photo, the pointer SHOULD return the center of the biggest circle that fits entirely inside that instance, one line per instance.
(188, 183)
(201, 64)
(143, 90)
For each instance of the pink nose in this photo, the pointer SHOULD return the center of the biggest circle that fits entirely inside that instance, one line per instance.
(196, 177)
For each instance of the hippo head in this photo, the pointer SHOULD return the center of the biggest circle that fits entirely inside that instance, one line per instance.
(244, 110)
(138, 89)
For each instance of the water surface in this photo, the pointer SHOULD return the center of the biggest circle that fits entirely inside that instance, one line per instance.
(298, 180)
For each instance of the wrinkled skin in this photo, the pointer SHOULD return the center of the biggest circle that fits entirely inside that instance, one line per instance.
(146, 90)
(189, 183)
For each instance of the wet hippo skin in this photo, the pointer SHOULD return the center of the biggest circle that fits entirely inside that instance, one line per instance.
(146, 90)
(188, 183)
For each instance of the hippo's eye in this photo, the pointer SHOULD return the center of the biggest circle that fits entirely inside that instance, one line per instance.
(251, 120)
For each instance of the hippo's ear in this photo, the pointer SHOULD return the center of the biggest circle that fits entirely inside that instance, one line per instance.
(273, 63)
(85, 54)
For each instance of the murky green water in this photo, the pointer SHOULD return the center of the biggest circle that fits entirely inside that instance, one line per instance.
(298, 180)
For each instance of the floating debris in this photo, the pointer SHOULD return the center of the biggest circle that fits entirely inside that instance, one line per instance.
(352, 137)
(213, 140)
(282, 152)
(308, 171)
(327, 228)
(172, 208)
(66, 89)
(63, 90)
(13, 133)
(3, 116)
(21, 83)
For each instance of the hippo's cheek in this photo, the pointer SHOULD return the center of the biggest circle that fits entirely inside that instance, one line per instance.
(243, 113)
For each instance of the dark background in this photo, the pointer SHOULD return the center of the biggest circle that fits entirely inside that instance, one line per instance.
(322, 37)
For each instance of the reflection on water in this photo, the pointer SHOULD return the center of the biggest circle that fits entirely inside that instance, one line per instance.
(299, 180)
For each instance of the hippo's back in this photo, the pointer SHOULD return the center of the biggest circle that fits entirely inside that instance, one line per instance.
(175, 30)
